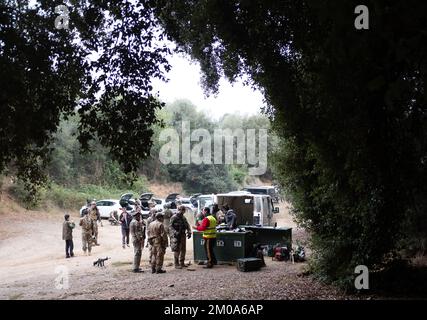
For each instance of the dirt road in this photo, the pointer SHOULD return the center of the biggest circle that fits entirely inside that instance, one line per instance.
(32, 265)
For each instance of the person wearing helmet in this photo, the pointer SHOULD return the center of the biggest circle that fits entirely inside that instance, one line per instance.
(87, 232)
(158, 240)
(167, 215)
(137, 231)
(180, 230)
(152, 213)
(95, 216)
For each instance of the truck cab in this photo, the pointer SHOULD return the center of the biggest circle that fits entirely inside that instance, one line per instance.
(267, 190)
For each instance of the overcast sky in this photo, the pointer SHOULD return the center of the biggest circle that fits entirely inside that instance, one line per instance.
(184, 83)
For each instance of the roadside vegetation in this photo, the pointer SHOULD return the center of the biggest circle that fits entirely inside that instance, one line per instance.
(74, 177)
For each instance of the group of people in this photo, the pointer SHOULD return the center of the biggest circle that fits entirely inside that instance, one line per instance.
(89, 224)
(161, 229)
(226, 216)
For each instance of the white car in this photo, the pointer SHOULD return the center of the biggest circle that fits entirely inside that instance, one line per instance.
(186, 202)
(105, 207)
(159, 204)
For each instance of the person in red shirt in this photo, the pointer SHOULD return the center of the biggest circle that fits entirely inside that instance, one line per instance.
(208, 226)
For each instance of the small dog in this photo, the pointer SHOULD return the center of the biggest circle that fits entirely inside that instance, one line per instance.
(100, 262)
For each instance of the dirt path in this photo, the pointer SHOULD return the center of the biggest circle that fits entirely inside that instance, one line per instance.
(32, 260)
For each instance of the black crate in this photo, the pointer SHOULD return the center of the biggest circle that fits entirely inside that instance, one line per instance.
(249, 264)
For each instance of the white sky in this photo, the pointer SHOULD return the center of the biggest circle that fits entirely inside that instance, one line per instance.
(184, 83)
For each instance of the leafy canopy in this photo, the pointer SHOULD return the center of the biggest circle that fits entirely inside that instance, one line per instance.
(100, 68)
(349, 104)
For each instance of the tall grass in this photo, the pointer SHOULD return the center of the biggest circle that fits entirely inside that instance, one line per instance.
(76, 196)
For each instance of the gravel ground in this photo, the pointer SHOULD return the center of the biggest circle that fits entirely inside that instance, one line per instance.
(32, 260)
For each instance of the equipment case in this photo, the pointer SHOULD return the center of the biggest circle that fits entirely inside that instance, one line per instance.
(249, 264)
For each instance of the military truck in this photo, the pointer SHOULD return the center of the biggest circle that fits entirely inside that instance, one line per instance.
(254, 213)
(251, 209)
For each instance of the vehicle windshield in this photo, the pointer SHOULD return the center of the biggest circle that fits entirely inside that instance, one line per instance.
(205, 201)
(257, 191)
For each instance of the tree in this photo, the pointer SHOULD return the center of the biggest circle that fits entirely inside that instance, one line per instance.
(99, 68)
(349, 105)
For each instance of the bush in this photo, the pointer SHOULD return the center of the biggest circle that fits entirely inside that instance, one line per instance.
(72, 197)
(238, 175)
(27, 198)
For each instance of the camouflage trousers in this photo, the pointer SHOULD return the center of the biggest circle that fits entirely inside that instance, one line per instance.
(157, 255)
(87, 241)
(179, 252)
(95, 231)
(137, 249)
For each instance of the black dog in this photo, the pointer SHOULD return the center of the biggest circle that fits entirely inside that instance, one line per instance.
(100, 262)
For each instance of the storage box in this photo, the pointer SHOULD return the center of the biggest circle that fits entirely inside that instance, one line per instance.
(229, 246)
(249, 264)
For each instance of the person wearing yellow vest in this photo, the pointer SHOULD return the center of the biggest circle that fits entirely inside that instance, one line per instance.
(208, 226)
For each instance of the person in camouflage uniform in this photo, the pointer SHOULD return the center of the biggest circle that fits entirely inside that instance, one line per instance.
(152, 213)
(151, 218)
(158, 240)
(137, 231)
(179, 231)
(94, 215)
(87, 232)
(167, 215)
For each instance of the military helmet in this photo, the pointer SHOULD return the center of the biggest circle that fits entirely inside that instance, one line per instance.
(134, 213)
(159, 215)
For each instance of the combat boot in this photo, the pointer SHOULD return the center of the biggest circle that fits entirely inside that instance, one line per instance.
(153, 270)
(137, 270)
(161, 271)
(176, 263)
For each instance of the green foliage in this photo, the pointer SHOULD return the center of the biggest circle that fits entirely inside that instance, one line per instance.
(238, 174)
(48, 73)
(96, 175)
(206, 178)
(349, 105)
(29, 199)
(72, 198)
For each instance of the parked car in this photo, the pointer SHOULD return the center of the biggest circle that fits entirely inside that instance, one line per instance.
(126, 201)
(105, 207)
(186, 202)
(159, 203)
